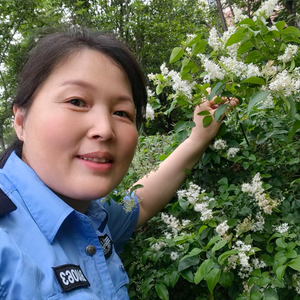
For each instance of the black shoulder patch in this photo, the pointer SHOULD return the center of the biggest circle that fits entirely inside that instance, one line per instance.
(70, 277)
(6, 205)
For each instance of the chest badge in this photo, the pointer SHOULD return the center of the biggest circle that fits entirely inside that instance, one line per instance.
(70, 277)
(106, 244)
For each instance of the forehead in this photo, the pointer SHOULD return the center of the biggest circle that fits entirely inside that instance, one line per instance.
(91, 67)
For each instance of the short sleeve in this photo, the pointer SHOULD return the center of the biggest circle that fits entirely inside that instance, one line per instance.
(121, 223)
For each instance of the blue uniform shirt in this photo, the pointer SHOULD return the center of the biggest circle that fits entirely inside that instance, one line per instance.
(50, 251)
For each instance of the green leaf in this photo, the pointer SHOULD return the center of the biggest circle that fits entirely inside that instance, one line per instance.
(176, 54)
(220, 111)
(212, 241)
(290, 104)
(235, 38)
(280, 271)
(270, 294)
(226, 279)
(207, 120)
(212, 279)
(280, 25)
(244, 47)
(253, 56)
(187, 275)
(254, 80)
(225, 255)
(216, 90)
(291, 30)
(159, 88)
(219, 245)
(162, 291)
(295, 263)
(188, 262)
(203, 270)
(199, 47)
(257, 97)
(247, 21)
(204, 113)
(172, 278)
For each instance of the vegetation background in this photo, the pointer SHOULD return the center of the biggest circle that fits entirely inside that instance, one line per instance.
(232, 230)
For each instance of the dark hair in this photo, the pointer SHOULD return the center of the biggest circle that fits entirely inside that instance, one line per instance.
(54, 47)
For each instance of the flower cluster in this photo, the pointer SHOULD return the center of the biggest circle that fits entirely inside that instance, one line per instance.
(266, 10)
(282, 228)
(265, 203)
(242, 258)
(174, 80)
(221, 144)
(198, 199)
(222, 228)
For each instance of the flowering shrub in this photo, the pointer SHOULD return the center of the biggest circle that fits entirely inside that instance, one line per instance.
(232, 230)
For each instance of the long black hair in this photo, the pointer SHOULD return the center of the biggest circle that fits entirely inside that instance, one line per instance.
(55, 47)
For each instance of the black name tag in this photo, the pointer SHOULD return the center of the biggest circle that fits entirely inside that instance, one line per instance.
(70, 277)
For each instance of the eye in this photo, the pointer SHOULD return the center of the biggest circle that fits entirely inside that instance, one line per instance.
(122, 114)
(77, 102)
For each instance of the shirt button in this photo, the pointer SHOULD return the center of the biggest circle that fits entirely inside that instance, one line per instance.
(90, 250)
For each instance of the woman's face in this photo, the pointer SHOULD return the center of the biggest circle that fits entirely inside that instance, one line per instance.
(79, 134)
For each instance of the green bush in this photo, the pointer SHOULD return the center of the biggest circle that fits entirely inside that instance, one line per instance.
(232, 230)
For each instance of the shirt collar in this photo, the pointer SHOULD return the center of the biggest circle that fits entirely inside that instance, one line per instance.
(45, 207)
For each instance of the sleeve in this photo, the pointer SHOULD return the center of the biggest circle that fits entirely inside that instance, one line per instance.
(122, 223)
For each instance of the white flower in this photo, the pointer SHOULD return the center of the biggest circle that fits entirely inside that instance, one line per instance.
(238, 14)
(174, 255)
(289, 53)
(214, 71)
(231, 153)
(164, 70)
(214, 40)
(185, 222)
(282, 228)
(258, 264)
(149, 112)
(157, 246)
(200, 207)
(151, 76)
(206, 215)
(220, 144)
(266, 9)
(259, 224)
(222, 228)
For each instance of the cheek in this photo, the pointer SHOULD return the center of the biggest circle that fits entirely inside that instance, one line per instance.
(48, 132)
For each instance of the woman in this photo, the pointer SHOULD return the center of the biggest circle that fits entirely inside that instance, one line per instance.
(80, 100)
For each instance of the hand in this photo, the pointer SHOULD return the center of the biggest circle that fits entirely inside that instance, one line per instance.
(203, 134)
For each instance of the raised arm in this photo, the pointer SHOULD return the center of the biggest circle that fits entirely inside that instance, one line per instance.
(159, 186)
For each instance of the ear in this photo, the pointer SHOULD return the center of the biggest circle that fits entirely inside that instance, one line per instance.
(19, 121)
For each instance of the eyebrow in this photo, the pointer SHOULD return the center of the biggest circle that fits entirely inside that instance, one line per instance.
(86, 84)
(78, 82)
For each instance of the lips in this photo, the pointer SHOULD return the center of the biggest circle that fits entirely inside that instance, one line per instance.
(96, 160)
(97, 157)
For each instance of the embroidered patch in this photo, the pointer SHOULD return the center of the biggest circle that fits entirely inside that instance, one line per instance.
(70, 277)
(106, 244)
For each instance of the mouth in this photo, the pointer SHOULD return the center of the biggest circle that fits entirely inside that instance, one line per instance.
(95, 159)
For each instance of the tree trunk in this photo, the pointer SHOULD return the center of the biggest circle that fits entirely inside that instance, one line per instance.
(220, 10)
(290, 6)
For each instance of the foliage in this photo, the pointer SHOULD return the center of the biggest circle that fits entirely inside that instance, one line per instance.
(232, 230)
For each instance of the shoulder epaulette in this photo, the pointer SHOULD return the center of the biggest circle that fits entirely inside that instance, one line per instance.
(6, 205)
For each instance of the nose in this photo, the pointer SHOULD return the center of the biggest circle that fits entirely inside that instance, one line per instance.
(101, 128)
